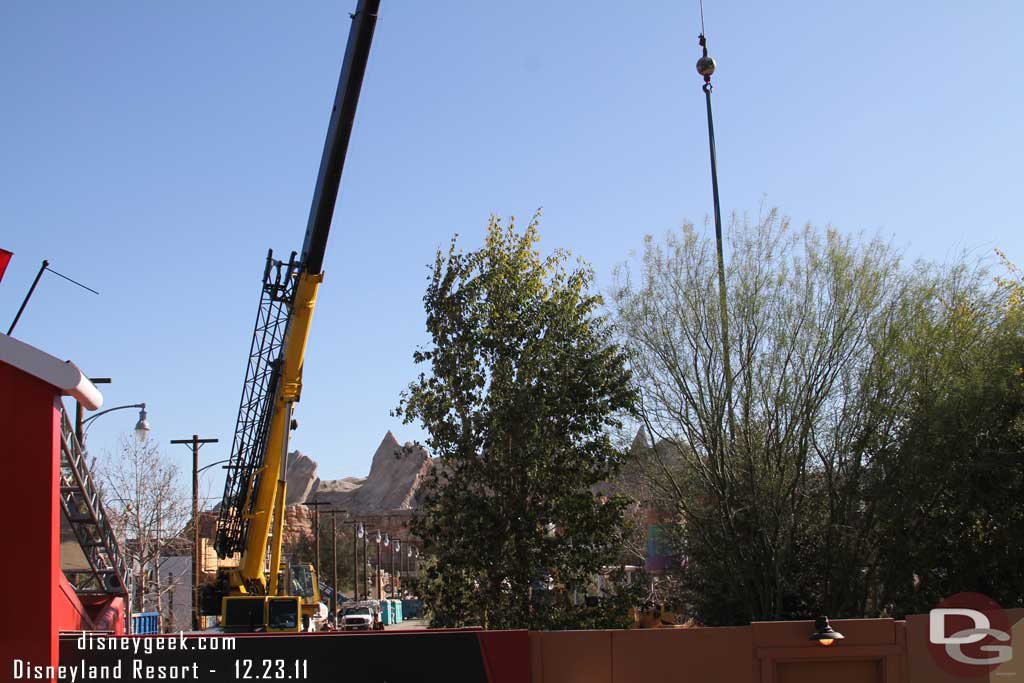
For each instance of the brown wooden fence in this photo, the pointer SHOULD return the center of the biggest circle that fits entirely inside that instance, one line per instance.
(873, 651)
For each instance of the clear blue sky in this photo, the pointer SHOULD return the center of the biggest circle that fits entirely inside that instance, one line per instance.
(155, 151)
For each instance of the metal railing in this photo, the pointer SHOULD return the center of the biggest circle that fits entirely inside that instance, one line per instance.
(82, 507)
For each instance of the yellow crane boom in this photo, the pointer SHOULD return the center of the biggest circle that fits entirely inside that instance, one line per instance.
(252, 511)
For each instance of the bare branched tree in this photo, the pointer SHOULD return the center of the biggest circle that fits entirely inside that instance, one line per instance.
(746, 467)
(148, 508)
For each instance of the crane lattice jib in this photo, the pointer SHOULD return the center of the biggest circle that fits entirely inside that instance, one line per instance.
(255, 408)
(277, 301)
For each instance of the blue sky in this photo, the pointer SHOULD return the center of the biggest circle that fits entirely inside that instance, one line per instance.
(155, 151)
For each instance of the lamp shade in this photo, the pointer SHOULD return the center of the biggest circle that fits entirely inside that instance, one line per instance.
(142, 426)
(824, 633)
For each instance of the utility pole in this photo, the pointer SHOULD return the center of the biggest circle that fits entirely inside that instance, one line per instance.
(334, 564)
(196, 443)
(315, 504)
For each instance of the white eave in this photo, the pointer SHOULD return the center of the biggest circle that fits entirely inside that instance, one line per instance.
(63, 375)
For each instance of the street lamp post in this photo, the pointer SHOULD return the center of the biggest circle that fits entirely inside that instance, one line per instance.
(411, 560)
(80, 412)
(141, 427)
(396, 548)
(376, 573)
(196, 443)
(387, 544)
(358, 532)
(366, 567)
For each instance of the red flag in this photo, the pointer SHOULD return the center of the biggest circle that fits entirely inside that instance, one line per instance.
(5, 258)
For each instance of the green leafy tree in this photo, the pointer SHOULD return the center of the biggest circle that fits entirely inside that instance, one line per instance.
(950, 484)
(525, 386)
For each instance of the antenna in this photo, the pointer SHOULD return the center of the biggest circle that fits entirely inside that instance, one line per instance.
(43, 268)
(706, 67)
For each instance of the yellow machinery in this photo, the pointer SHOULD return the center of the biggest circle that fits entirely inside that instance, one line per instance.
(253, 597)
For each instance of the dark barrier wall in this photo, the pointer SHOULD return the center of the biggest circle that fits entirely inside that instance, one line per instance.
(420, 656)
(873, 651)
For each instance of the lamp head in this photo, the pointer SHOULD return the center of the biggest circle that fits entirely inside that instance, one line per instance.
(142, 426)
(824, 633)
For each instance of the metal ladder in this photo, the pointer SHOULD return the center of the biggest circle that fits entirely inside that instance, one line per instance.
(81, 504)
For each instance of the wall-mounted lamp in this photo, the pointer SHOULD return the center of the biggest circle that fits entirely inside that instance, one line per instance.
(824, 633)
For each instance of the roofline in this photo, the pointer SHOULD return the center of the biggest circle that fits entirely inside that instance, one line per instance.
(63, 375)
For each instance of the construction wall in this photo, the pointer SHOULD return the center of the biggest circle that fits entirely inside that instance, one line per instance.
(874, 651)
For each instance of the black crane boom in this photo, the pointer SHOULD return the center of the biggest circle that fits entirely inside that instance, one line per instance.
(332, 163)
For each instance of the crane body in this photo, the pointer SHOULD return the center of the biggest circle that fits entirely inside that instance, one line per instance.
(251, 520)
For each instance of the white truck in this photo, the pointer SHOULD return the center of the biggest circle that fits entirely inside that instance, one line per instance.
(360, 616)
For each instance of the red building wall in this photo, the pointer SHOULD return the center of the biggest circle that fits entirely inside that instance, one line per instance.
(32, 602)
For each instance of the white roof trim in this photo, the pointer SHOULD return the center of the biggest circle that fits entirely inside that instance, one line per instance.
(64, 375)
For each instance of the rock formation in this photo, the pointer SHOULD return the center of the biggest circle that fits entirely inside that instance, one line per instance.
(302, 479)
(387, 497)
(389, 492)
(297, 523)
(396, 474)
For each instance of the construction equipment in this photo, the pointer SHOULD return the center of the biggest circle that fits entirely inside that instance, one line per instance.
(251, 596)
